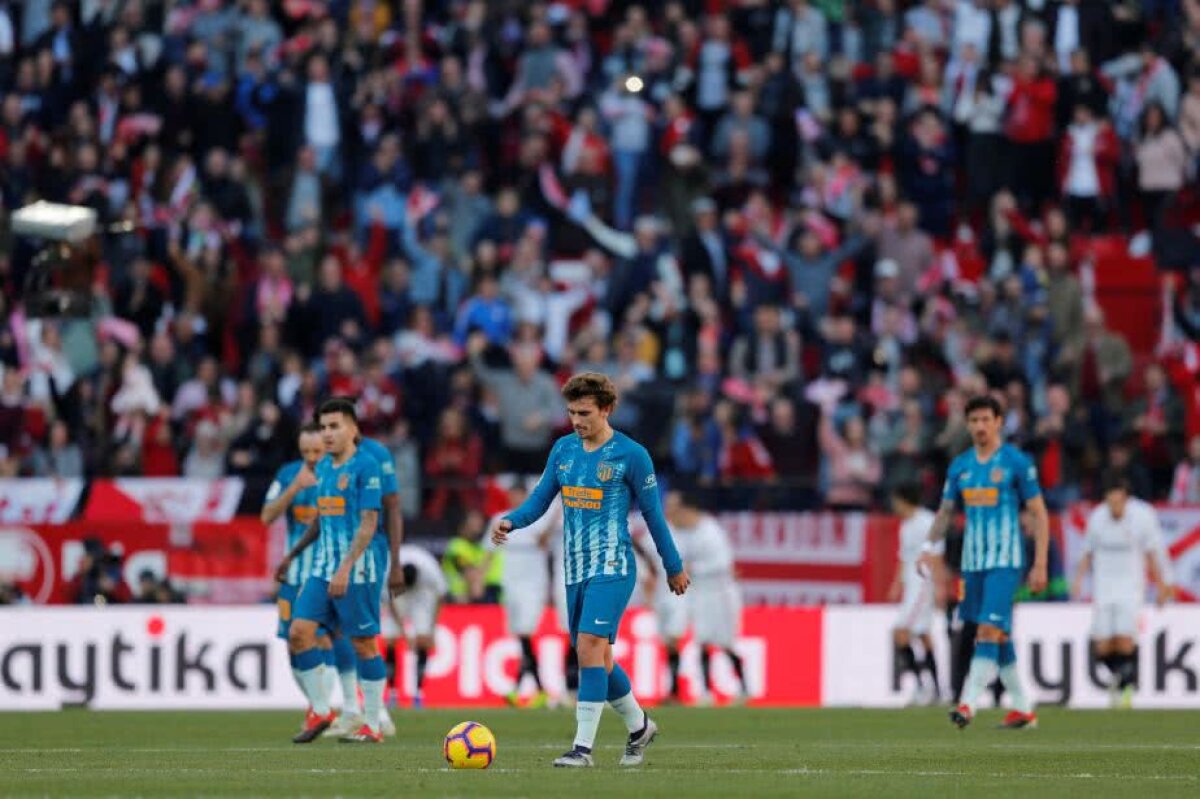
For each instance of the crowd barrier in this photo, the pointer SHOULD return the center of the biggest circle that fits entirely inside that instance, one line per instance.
(228, 657)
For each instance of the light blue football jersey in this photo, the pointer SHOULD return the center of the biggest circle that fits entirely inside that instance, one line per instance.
(343, 493)
(299, 515)
(991, 494)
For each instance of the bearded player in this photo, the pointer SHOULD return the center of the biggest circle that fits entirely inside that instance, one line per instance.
(599, 473)
(990, 483)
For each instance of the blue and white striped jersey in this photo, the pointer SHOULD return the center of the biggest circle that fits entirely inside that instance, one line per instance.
(597, 490)
(991, 494)
(343, 493)
(388, 486)
(300, 514)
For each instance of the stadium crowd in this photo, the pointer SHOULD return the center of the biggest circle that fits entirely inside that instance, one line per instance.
(756, 216)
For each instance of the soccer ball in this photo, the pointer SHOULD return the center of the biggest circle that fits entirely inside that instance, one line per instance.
(469, 745)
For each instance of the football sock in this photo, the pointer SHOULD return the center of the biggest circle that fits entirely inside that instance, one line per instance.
(593, 688)
(528, 663)
(372, 675)
(295, 672)
(929, 664)
(673, 669)
(620, 696)
(343, 654)
(572, 670)
(982, 672)
(422, 661)
(311, 667)
(738, 668)
(1127, 669)
(906, 661)
(1011, 679)
(349, 682)
(706, 669)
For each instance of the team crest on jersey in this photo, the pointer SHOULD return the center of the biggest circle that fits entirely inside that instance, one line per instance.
(343, 481)
(604, 472)
(997, 475)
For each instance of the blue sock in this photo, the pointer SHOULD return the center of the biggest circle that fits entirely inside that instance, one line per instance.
(593, 687)
(618, 683)
(1007, 655)
(343, 654)
(372, 669)
(308, 659)
(988, 650)
(593, 684)
(294, 661)
(372, 676)
(330, 661)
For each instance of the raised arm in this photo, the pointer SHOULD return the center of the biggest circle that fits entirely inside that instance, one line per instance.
(280, 498)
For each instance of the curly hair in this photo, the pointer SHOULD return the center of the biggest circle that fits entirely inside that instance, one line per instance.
(591, 384)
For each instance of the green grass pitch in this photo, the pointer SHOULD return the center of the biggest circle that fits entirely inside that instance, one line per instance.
(700, 753)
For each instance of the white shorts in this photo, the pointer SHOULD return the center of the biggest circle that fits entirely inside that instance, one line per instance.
(523, 610)
(671, 614)
(916, 608)
(1117, 619)
(716, 610)
(419, 610)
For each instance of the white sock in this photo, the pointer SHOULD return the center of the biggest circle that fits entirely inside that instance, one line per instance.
(1016, 691)
(372, 701)
(299, 682)
(630, 711)
(350, 704)
(330, 683)
(983, 671)
(313, 684)
(587, 721)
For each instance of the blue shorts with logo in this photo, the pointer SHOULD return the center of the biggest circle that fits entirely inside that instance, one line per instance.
(988, 597)
(285, 603)
(595, 605)
(354, 614)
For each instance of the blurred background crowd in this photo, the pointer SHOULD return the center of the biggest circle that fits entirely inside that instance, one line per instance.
(797, 233)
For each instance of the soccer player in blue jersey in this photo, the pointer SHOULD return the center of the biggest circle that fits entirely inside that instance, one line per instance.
(293, 493)
(343, 591)
(990, 483)
(600, 472)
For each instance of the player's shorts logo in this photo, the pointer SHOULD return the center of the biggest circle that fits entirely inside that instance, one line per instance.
(343, 481)
(998, 475)
(604, 472)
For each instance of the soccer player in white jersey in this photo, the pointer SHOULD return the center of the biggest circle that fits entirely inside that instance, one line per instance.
(415, 609)
(991, 482)
(714, 600)
(914, 592)
(1123, 543)
(526, 582)
(670, 615)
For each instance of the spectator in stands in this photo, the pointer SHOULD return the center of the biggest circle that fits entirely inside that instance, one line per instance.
(1059, 442)
(206, 458)
(1087, 167)
(465, 560)
(60, 457)
(1096, 367)
(1185, 484)
(1156, 419)
(98, 580)
(1162, 161)
(452, 464)
(853, 469)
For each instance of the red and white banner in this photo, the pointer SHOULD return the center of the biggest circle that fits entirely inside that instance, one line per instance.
(38, 500)
(229, 562)
(1181, 536)
(163, 500)
(1053, 656)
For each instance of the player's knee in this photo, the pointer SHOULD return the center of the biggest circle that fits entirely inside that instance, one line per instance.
(990, 634)
(591, 649)
(900, 637)
(324, 642)
(424, 642)
(300, 637)
(365, 648)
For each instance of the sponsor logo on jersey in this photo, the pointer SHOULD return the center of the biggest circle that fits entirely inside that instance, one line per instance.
(373, 482)
(651, 481)
(331, 506)
(580, 497)
(304, 513)
(981, 497)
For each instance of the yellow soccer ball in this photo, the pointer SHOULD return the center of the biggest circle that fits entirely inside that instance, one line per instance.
(469, 745)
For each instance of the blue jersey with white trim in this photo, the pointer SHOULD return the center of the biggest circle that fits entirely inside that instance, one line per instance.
(597, 490)
(299, 515)
(343, 493)
(388, 487)
(991, 495)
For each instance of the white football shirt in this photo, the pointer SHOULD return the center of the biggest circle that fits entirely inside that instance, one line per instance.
(1119, 547)
(914, 532)
(709, 553)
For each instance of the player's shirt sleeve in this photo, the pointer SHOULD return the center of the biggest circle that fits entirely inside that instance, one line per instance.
(1152, 543)
(387, 466)
(950, 491)
(1093, 530)
(644, 485)
(283, 478)
(538, 501)
(1027, 479)
(369, 488)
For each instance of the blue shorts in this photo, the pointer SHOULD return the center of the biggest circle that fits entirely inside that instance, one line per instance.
(285, 603)
(355, 614)
(988, 597)
(595, 606)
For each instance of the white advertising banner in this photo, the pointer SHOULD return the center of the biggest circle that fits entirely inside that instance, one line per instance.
(1053, 654)
(143, 657)
(38, 500)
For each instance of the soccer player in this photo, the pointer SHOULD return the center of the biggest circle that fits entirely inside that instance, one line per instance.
(599, 473)
(914, 592)
(293, 493)
(418, 605)
(991, 482)
(343, 590)
(526, 583)
(671, 617)
(1123, 543)
(715, 601)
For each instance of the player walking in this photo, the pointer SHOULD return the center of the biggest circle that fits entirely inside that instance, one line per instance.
(599, 473)
(526, 582)
(715, 602)
(418, 605)
(1124, 541)
(914, 592)
(991, 482)
(343, 591)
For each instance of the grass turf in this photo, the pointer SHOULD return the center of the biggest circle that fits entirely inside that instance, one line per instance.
(700, 753)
